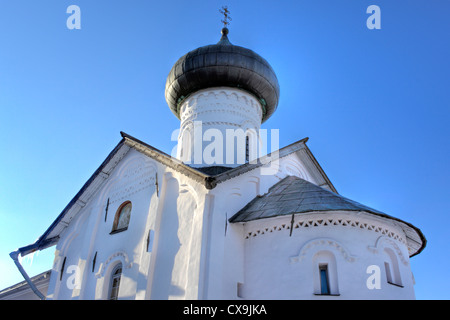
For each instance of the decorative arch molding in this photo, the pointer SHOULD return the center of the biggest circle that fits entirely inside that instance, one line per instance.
(322, 244)
(119, 256)
(295, 168)
(233, 95)
(253, 179)
(250, 127)
(255, 182)
(233, 102)
(133, 160)
(134, 175)
(384, 242)
(185, 189)
(75, 230)
(188, 117)
(187, 126)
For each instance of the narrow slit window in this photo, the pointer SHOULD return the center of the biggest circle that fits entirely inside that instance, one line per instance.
(324, 280)
(247, 150)
(239, 290)
(62, 269)
(388, 272)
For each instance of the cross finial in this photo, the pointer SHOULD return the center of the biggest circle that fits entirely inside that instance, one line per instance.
(226, 14)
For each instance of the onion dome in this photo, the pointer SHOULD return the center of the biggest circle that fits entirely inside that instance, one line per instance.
(223, 65)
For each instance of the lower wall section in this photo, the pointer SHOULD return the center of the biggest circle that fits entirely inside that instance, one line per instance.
(351, 256)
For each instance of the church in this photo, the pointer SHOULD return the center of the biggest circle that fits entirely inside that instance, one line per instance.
(220, 222)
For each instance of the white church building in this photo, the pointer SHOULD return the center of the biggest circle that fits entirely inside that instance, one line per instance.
(215, 222)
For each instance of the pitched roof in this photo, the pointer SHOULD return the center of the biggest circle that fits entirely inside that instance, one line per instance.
(212, 175)
(209, 177)
(41, 279)
(293, 195)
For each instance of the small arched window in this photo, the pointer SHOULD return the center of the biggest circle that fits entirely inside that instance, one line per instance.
(122, 218)
(115, 282)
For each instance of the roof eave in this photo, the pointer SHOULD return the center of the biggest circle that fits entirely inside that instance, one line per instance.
(320, 169)
(402, 224)
(44, 241)
(167, 160)
(50, 238)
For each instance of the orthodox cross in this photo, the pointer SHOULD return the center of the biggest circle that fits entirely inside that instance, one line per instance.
(226, 14)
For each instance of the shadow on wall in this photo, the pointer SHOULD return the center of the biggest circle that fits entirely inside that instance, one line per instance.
(168, 246)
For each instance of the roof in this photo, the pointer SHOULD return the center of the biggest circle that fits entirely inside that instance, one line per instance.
(209, 177)
(38, 280)
(293, 195)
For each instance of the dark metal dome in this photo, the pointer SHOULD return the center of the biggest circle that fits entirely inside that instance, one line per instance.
(223, 65)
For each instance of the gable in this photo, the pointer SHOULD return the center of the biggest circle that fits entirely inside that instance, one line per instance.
(51, 236)
(298, 149)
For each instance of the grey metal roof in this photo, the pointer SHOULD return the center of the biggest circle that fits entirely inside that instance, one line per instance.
(41, 279)
(293, 195)
(223, 65)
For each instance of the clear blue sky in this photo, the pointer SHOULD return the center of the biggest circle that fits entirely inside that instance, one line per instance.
(374, 103)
